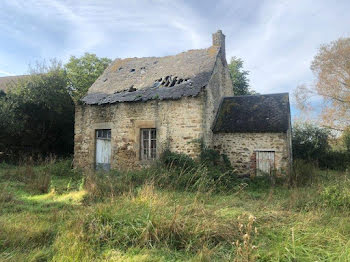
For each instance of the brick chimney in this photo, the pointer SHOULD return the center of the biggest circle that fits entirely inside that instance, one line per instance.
(219, 40)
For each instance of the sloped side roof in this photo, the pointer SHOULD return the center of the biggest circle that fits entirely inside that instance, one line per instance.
(142, 79)
(7, 81)
(254, 113)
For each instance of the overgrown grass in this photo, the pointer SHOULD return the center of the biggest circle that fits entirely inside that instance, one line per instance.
(171, 214)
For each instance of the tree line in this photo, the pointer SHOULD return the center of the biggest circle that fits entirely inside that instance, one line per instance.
(37, 111)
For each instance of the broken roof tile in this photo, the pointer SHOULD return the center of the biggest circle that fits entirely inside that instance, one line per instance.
(195, 66)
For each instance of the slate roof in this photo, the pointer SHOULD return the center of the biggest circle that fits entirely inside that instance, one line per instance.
(253, 113)
(7, 81)
(142, 79)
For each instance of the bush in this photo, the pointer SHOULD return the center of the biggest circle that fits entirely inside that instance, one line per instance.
(5, 195)
(212, 158)
(303, 173)
(336, 160)
(59, 168)
(37, 180)
(310, 142)
(113, 183)
(336, 196)
(178, 160)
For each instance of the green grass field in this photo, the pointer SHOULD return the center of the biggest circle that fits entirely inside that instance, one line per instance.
(253, 222)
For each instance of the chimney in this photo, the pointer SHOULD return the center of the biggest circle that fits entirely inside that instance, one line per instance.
(219, 40)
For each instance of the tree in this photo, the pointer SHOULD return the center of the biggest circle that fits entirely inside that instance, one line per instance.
(346, 139)
(331, 67)
(310, 142)
(37, 114)
(82, 73)
(239, 77)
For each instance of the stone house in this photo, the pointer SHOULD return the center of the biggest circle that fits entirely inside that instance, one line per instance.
(141, 106)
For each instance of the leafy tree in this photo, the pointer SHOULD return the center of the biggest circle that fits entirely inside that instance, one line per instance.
(346, 139)
(37, 115)
(310, 142)
(82, 73)
(331, 67)
(239, 77)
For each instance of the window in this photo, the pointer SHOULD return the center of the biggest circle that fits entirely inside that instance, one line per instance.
(148, 143)
(103, 134)
(265, 162)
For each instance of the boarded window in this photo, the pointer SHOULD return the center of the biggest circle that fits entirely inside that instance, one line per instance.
(148, 143)
(103, 149)
(265, 162)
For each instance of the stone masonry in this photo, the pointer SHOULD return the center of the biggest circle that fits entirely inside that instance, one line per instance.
(241, 147)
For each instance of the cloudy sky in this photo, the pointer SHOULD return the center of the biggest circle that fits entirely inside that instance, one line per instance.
(276, 39)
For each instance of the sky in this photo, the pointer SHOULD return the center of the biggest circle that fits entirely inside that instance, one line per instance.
(276, 39)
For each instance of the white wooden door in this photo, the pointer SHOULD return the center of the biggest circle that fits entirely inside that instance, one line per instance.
(103, 149)
(265, 162)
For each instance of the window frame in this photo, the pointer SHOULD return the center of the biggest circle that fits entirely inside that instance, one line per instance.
(148, 153)
(104, 134)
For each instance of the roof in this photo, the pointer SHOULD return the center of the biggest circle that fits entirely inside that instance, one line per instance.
(142, 79)
(7, 81)
(253, 113)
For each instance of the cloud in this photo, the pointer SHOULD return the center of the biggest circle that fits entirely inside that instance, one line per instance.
(279, 45)
(2, 72)
(276, 39)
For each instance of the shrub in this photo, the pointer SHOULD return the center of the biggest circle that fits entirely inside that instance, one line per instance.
(113, 183)
(59, 168)
(336, 160)
(5, 195)
(179, 160)
(310, 142)
(336, 196)
(212, 158)
(303, 173)
(37, 180)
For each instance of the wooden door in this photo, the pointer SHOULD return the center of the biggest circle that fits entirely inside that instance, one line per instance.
(265, 162)
(103, 149)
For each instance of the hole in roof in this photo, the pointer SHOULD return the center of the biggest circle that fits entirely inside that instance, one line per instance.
(120, 68)
(173, 81)
(156, 84)
(132, 89)
(170, 81)
(155, 62)
(143, 68)
(132, 70)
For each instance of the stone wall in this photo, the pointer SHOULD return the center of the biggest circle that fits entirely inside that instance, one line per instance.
(179, 126)
(220, 85)
(240, 149)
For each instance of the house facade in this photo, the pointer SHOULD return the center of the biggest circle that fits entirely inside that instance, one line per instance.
(141, 106)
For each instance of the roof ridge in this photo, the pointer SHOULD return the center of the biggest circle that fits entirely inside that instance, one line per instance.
(183, 52)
